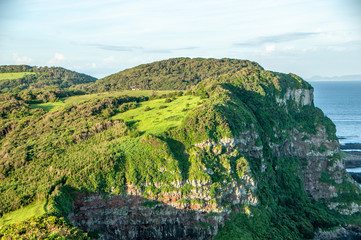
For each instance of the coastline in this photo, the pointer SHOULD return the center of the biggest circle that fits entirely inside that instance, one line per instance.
(352, 160)
(353, 155)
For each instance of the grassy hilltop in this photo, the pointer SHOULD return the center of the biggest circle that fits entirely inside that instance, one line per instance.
(20, 77)
(99, 137)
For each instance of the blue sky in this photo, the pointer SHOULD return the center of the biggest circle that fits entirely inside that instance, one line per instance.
(318, 37)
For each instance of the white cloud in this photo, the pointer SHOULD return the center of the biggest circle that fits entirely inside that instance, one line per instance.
(22, 59)
(158, 27)
(270, 48)
(57, 59)
(94, 65)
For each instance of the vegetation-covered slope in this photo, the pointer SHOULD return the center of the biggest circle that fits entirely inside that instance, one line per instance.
(20, 77)
(224, 148)
(172, 74)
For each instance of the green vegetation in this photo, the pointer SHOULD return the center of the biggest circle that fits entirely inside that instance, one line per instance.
(14, 78)
(49, 106)
(172, 74)
(70, 137)
(281, 222)
(14, 75)
(236, 102)
(35, 138)
(45, 227)
(285, 212)
(327, 178)
(35, 209)
(151, 204)
(156, 116)
(52, 106)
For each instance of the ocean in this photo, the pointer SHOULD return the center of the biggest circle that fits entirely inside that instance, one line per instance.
(341, 102)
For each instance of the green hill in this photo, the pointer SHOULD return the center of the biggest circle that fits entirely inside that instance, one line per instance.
(242, 154)
(172, 74)
(20, 77)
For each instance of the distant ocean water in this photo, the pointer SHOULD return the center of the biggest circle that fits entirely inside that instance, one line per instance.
(341, 102)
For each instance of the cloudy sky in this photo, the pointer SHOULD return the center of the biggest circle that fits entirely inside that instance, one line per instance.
(306, 37)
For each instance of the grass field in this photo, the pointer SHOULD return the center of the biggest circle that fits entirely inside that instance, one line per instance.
(16, 75)
(156, 116)
(33, 210)
(52, 106)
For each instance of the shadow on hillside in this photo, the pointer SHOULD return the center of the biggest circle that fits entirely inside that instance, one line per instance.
(178, 149)
(136, 217)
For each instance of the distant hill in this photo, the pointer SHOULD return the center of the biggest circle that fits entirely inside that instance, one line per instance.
(336, 78)
(20, 77)
(172, 74)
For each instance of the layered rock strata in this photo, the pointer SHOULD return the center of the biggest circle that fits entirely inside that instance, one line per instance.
(137, 214)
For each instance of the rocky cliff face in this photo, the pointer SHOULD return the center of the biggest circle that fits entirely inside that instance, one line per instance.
(163, 216)
(342, 233)
(302, 97)
(191, 210)
(314, 149)
(197, 213)
(134, 217)
(318, 153)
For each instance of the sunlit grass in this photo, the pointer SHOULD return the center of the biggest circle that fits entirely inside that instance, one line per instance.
(15, 75)
(32, 210)
(156, 116)
(52, 106)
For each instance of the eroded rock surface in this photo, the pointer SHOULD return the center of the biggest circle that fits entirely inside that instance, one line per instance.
(174, 214)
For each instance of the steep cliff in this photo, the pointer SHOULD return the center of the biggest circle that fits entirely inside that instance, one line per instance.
(229, 146)
(253, 159)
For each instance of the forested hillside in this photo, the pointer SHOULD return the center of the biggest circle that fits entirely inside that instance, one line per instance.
(172, 74)
(20, 77)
